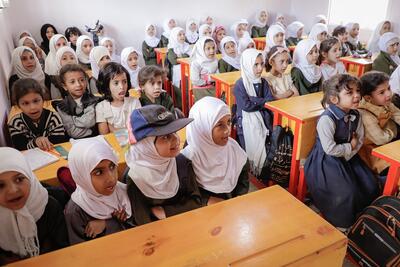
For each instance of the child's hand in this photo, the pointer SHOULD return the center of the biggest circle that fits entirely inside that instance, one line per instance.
(354, 141)
(159, 212)
(120, 215)
(94, 228)
(43, 143)
(213, 200)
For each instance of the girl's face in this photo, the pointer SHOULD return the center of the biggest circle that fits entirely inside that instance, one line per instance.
(133, 60)
(220, 34)
(381, 96)
(181, 37)
(300, 32)
(109, 45)
(209, 50)
(14, 190)
(29, 44)
(119, 86)
(31, 105)
(172, 24)
(334, 53)
(103, 61)
(386, 27)
(49, 32)
(209, 20)
(104, 177)
(279, 38)
(281, 19)
(322, 36)
(230, 49)
(280, 62)
(343, 37)
(222, 130)
(348, 99)
(75, 83)
(355, 30)
(168, 146)
(60, 43)
(24, 34)
(152, 88)
(250, 45)
(151, 31)
(86, 47)
(207, 32)
(193, 27)
(393, 48)
(258, 66)
(312, 56)
(67, 58)
(240, 29)
(73, 38)
(263, 17)
(28, 61)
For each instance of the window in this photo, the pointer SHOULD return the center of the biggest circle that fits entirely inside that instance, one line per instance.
(368, 13)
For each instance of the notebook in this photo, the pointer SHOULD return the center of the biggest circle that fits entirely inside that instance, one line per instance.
(38, 158)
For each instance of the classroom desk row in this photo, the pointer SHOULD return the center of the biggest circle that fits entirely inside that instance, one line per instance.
(264, 228)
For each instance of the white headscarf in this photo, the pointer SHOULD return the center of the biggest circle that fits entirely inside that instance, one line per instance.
(350, 39)
(234, 27)
(257, 22)
(387, 39)
(374, 39)
(18, 68)
(17, 37)
(83, 157)
(293, 28)
(151, 41)
(277, 22)
(212, 25)
(50, 66)
(217, 168)
(124, 62)
(243, 43)
(18, 231)
(198, 56)
(167, 30)
(60, 53)
(155, 176)
(82, 57)
(317, 29)
(272, 31)
(395, 81)
(233, 61)
(114, 56)
(202, 29)
(173, 43)
(311, 72)
(192, 37)
(254, 130)
(320, 17)
(96, 54)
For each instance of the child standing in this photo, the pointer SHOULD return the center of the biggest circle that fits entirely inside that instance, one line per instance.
(230, 60)
(388, 58)
(275, 36)
(84, 45)
(330, 53)
(72, 34)
(254, 120)
(341, 33)
(35, 126)
(130, 61)
(340, 184)
(109, 43)
(218, 161)
(218, 34)
(381, 118)
(306, 75)
(260, 27)
(281, 83)
(191, 31)
(47, 31)
(32, 222)
(168, 25)
(162, 181)
(77, 109)
(353, 40)
(318, 33)
(295, 32)
(381, 28)
(56, 42)
(100, 205)
(150, 42)
(113, 112)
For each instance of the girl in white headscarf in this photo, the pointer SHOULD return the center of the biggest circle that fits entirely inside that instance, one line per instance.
(84, 45)
(294, 32)
(31, 43)
(150, 42)
(280, 20)
(260, 26)
(245, 43)
(388, 58)
(230, 60)
(210, 22)
(56, 42)
(100, 205)
(203, 64)
(99, 56)
(168, 25)
(306, 74)
(191, 31)
(130, 61)
(111, 46)
(254, 120)
(218, 161)
(318, 33)
(395, 81)
(32, 222)
(320, 19)
(239, 29)
(275, 36)
(205, 31)
(381, 28)
(353, 40)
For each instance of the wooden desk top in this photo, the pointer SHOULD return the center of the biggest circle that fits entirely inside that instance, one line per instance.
(267, 226)
(186, 60)
(358, 61)
(303, 107)
(389, 152)
(259, 39)
(228, 78)
(162, 50)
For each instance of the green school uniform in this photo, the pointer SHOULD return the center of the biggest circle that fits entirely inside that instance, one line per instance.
(164, 100)
(224, 66)
(302, 84)
(292, 41)
(384, 63)
(149, 55)
(259, 31)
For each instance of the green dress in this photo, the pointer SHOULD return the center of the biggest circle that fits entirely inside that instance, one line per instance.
(224, 66)
(292, 41)
(301, 83)
(384, 63)
(259, 31)
(149, 55)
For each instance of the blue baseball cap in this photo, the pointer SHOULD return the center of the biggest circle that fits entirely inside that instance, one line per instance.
(153, 120)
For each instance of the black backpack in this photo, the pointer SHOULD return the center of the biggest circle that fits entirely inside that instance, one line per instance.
(374, 240)
(279, 155)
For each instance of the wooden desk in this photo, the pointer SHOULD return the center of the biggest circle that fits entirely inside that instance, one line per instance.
(224, 83)
(303, 112)
(161, 54)
(260, 42)
(357, 66)
(264, 228)
(391, 153)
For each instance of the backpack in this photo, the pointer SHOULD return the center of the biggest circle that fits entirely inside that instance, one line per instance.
(374, 240)
(279, 155)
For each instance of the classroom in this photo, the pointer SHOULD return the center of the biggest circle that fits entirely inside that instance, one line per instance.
(200, 133)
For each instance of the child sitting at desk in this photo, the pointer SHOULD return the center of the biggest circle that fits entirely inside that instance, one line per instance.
(260, 27)
(84, 45)
(230, 60)
(329, 56)
(149, 44)
(388, 58)
(168, 25)
(295, 32)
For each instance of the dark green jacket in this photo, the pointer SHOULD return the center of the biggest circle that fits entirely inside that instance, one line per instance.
(302, 84)
(149, 55)
(164, 100)
(224, 66)
(384, 63)
(259, 32)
